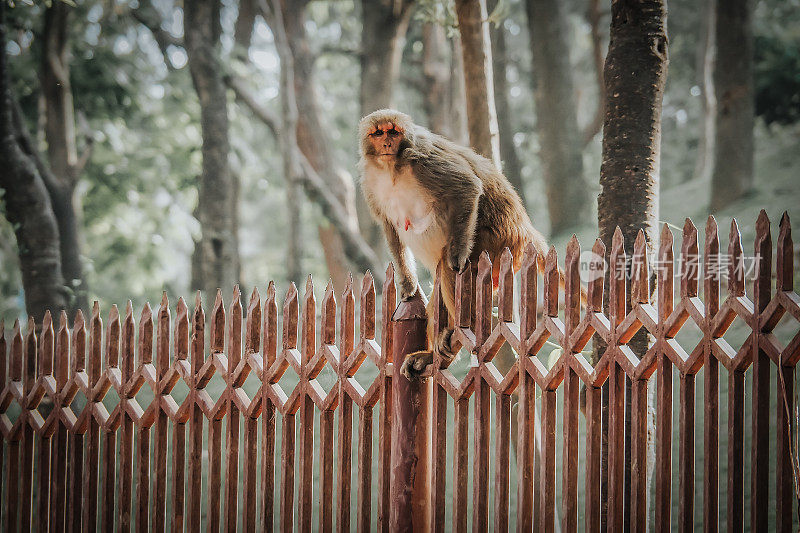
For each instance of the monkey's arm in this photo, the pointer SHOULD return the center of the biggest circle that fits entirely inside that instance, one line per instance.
(463, 217)
(408, 278)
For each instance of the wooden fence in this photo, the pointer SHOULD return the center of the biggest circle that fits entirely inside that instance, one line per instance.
(73, 463)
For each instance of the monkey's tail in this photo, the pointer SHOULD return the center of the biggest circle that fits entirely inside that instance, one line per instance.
(562, 283)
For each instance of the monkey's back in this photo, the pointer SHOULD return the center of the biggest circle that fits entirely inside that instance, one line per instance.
(502, 219)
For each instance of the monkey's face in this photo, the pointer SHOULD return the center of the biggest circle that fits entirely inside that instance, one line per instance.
(385, 138)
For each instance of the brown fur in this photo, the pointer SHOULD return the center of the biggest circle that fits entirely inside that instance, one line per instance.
(474, 205)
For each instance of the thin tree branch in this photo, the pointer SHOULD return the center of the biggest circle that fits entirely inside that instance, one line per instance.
(315, 187)
(338, 49)
(52, 183)
(243, 95)
(148, 17)
(595, 15)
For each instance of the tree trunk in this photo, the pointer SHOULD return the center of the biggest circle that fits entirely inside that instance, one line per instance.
(635, 75)
(383, 34)
(288, 142)
(458, 93)
(385, 23)
(477, 56)
(556, 120)
(436, 79)
(732, 175)
(28, 209)
(594, 17)
(705, 78)
(243, 28)
(219, 250)
(312, 137)
(512, 168)
(62, 155)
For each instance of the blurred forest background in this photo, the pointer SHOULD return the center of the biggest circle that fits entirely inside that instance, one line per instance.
(113, 100)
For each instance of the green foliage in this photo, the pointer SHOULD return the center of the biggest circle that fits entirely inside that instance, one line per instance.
(777, 79)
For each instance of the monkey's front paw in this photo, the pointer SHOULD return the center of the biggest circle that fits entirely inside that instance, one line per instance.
(415, 363)
(408, 287)
(456, 262)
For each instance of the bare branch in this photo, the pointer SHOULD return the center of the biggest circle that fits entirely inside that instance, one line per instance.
(243, 95)
(315, 187)
(595, 15)
(338, 49)
(148, 17)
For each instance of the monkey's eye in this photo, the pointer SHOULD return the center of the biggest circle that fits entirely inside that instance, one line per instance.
(376, 133)
(392, 132)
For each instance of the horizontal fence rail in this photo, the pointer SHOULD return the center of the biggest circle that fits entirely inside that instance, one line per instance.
(187, 423)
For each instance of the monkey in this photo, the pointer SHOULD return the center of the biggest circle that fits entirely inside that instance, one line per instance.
(443, 202)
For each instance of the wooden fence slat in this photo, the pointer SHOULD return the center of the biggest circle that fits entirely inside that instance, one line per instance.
(58, 459)
(480, 471)
(142, 441)
(686, 454)
(12, 485)
(569, 497)
(214, 473)
(90, 471)
(78, 359)
(388, 304)
(250, 476)
(196, 418)
(234, 353)
(364, 491)
(125, 487)
(736, 451)
(142, 477)
(42, 446)
(593, 434)
(268, 423)
(28, 379)
(784, 420)
(287, 473)
(13, 481)
(759, 462)
(178, 481)
(269, 347)
(501, 461)
(326, 470)
(306, 486)
(108, 435)
(345, 431)
(711, 276)
(482, 414)
(639, 461)
(664, 370)
(439, 459)
(217, 347)
(547, 482)
(663, 466)
(160, 436)
(460, 457)
(616, 447)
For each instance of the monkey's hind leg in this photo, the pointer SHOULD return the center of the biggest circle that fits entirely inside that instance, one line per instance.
(415, 362)
(438, 343)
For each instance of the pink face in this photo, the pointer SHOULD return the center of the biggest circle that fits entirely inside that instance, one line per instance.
(385, 138)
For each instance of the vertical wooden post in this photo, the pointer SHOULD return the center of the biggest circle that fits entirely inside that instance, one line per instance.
(411, 425)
